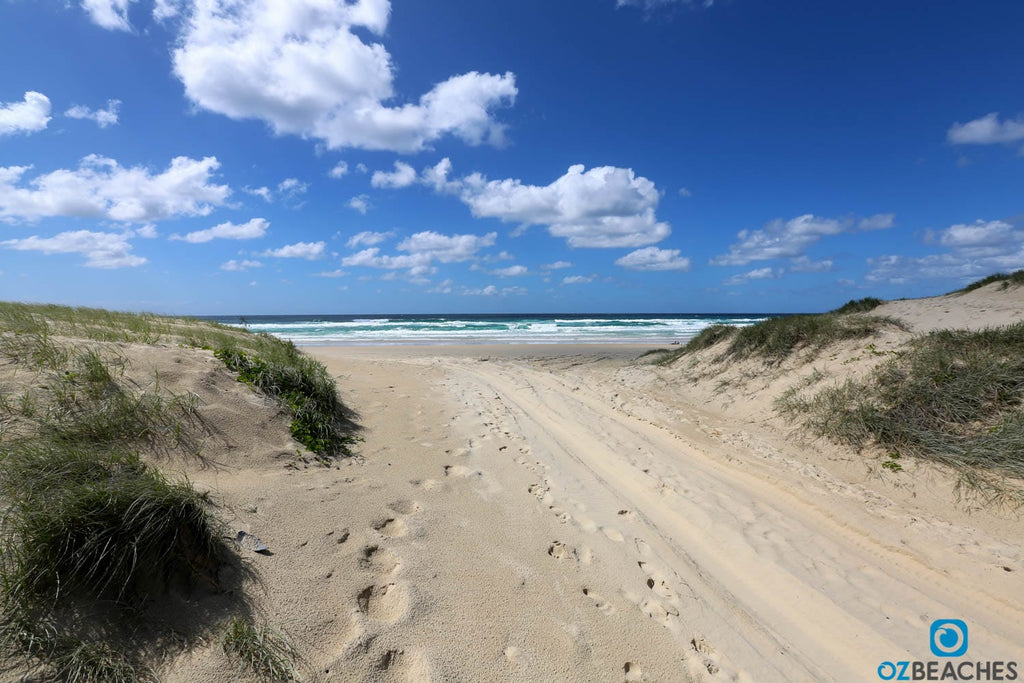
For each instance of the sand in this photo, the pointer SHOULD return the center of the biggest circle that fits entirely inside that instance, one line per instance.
(564, 513)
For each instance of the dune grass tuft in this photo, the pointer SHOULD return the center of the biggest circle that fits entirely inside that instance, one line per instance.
(954, 397)
(776, 339)
(261, 650)
(98, 522)
(320, 421)
(1007, 279)
(865, 305)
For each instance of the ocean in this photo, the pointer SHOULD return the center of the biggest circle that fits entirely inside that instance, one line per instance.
(320, 330)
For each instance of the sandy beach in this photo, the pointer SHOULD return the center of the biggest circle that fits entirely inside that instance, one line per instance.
(576, 513)
(565, 513)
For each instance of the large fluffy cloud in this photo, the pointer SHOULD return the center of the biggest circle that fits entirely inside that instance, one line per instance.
(28, 116)
(303, 67)
(603, 207)
(101, 188)
(101, 249)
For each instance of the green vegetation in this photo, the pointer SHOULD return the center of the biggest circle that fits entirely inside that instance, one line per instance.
(260, 650)
(776, 339)
(91, 535)
(865, 305)
(952, 396)
(320, 421)
(1014, 278)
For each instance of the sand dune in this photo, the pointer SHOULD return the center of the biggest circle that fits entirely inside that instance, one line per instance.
(543, 513)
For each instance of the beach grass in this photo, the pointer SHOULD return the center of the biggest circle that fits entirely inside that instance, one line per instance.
(260, 650)
(776, 339)
(865, 305)
(91, 534)
(1006, 280)
(951, 396)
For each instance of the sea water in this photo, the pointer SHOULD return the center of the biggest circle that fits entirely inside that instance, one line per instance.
(314, 330)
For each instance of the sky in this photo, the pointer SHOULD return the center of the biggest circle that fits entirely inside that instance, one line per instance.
(631, 156)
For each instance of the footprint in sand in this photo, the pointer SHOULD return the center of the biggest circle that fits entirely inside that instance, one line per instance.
(408, 665)
(559, 551)
(391, 527)
(388, 602)
(425, 484)
(658, 584)
(538, 490)
(633, 672)
(457, 471)
(612, 534)
(559, 513)
(599, 602)
(379, 560)
(405, 507)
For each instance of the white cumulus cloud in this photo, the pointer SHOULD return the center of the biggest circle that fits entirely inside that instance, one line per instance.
(791, 238)
(404, 175)
(360, 203)
(511, 271)
(368, 238)
(758, 274)
(988, 130)
(973, 250)
(239, 266)
(110, 14)
(422, 250)
(603, 207)
(101, 249)
(653, 258)
(28, 116)
(304, 68)
(101, 188)
(102, 117)
(577, 279)
(340, 170)
(251, 229)
(307, 250)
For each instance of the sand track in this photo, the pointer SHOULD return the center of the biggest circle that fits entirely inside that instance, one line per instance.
(564, 514)
(780, 587)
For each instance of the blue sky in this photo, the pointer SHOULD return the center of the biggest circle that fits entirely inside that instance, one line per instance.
(318, 156)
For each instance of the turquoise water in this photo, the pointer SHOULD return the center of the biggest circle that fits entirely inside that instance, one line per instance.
(487, 329)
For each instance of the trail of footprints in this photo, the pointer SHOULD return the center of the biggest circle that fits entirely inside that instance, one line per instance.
(658, 591)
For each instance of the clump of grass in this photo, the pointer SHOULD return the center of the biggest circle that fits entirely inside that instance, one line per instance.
(954, 396)
(67, 658)
(865, 305)
(320, 421)
(98, 523)
(261, 650)
(710, 336)
(1007, 279)
(87, 525)
(777, 338)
